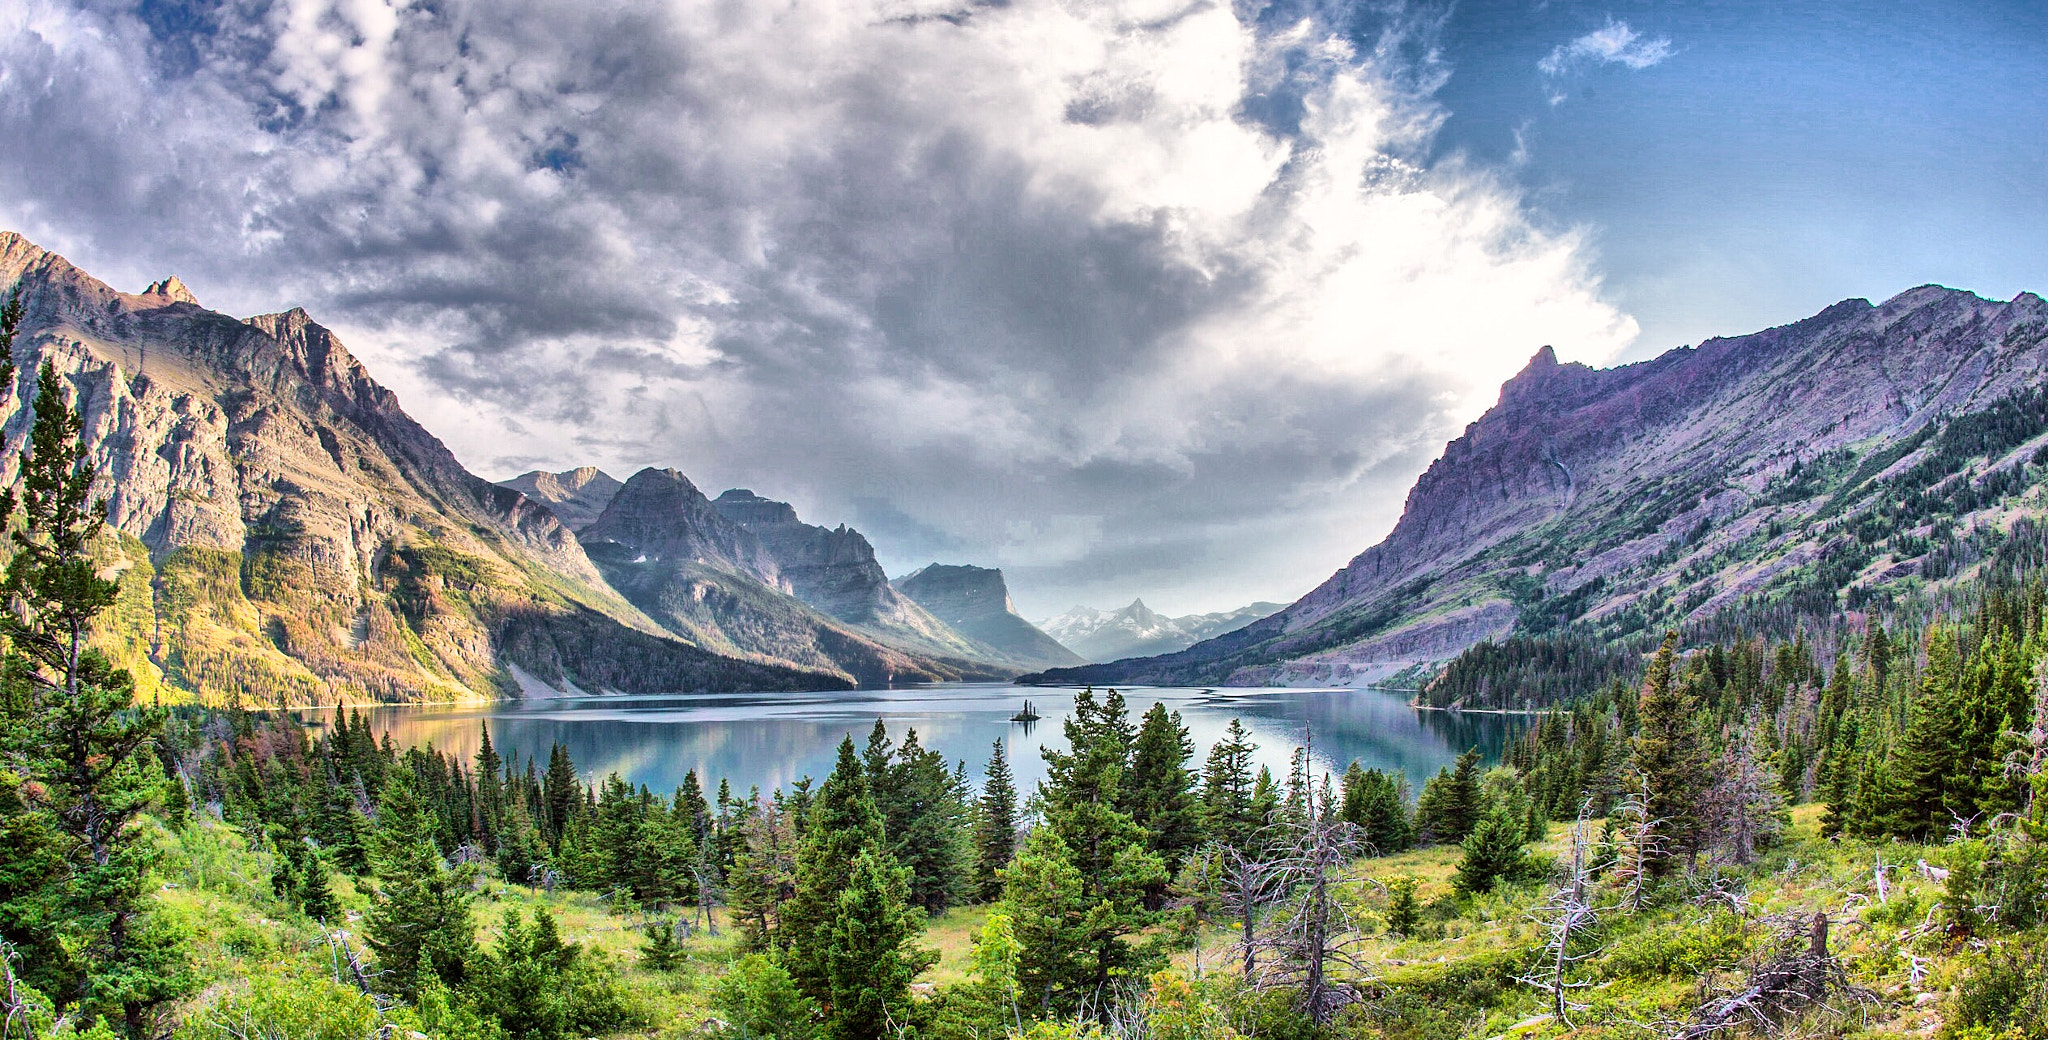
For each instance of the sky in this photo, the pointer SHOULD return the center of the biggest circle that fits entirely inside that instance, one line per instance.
(1149, 298)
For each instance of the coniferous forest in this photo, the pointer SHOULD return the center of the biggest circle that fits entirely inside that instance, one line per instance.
(1830, 831)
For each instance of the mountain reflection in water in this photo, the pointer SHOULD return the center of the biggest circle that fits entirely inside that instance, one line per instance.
(770, 740)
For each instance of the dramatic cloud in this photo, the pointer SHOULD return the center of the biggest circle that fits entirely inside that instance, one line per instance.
(1611, 44)
(1132, 297)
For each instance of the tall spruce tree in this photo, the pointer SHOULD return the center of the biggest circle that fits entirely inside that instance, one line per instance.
(1668, 758)
(1102, 846)
(870, 951)
(1227, 781)
(1161, 793)
(1931, 764)
(995, 834)
(844, 828)
(928, 832)
(86, 746)
(418, 923)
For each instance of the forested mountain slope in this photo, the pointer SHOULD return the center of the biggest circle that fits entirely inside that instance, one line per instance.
(289, 535)
(1836, 462)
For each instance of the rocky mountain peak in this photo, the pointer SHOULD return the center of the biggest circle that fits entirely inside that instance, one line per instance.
(660, 514)
(577, 495)
(744, 507)
(173, 290)
(1764, 468)
(976, 601)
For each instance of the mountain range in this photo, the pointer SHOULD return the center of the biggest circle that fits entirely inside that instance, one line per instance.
(1138, 631)
(1868, 453)
(287, 535)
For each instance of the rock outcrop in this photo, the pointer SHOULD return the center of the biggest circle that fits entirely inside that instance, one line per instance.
(288, 535)
(1803, 468)
(716, 582)
(976, 602)
(834, 571)
(575, 496)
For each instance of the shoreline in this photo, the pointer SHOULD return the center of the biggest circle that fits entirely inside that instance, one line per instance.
(1488, 711)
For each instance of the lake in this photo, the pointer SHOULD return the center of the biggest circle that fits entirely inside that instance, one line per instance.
(771, 739)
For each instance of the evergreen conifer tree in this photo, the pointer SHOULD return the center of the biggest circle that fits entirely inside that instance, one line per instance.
(843, 823)
(996, 826)
(90, 768)
(418, 925)
(1227, 781)
(870, 952)
(1667, 756)
(1162, 797)
(1493, 851)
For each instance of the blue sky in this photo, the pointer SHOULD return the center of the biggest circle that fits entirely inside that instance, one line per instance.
(1783, 156)
(1160, 298)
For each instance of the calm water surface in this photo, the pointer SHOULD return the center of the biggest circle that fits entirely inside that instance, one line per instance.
(771, 739)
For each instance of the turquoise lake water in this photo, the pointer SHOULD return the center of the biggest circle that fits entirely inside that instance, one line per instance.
(771, 739)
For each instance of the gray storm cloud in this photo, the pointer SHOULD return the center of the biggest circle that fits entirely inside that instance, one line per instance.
(1042, 284)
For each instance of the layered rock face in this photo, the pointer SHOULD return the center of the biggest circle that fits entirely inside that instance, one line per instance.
(718, 583)
(1139, 631)
(834, 570)
(575, 496)
(976, 602)
(292, 536)
(1808, 466)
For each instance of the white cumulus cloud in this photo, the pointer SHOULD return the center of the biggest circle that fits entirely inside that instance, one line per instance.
(1130, 296)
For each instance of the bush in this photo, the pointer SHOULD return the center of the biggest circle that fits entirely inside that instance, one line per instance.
(758, 998)
(276, 1006)
(2002, 992)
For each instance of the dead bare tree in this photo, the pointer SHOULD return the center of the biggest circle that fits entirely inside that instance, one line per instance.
(1804, 977)
(1248, 889)
(1310, 931)
(19, 1023)
(1642, 844)
(1568, 917)
(1744, 811)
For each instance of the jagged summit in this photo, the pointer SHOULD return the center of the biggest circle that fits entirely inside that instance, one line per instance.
(577, 496)
(173, 289)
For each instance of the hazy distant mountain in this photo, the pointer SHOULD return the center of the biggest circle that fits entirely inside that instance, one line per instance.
(290, 536)
(1138, 631)
(835, 571)
(710, 579)
(1794, 472)
(976, 602)
(576, 496)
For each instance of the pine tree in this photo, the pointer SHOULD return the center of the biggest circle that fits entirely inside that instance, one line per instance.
(1227, 780)
(928, 832)
(88, 746)
(1161, 796)
(870, 953)
(996, 827)
(1493, 852)
(1932, 759)
(524, 980)
(1103, 847)
(1667, 756)
(843, 823)
(1403, 914)
(316, 897)
(419, 923)
(559, 796)
(490, 791)
(1373, 803)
